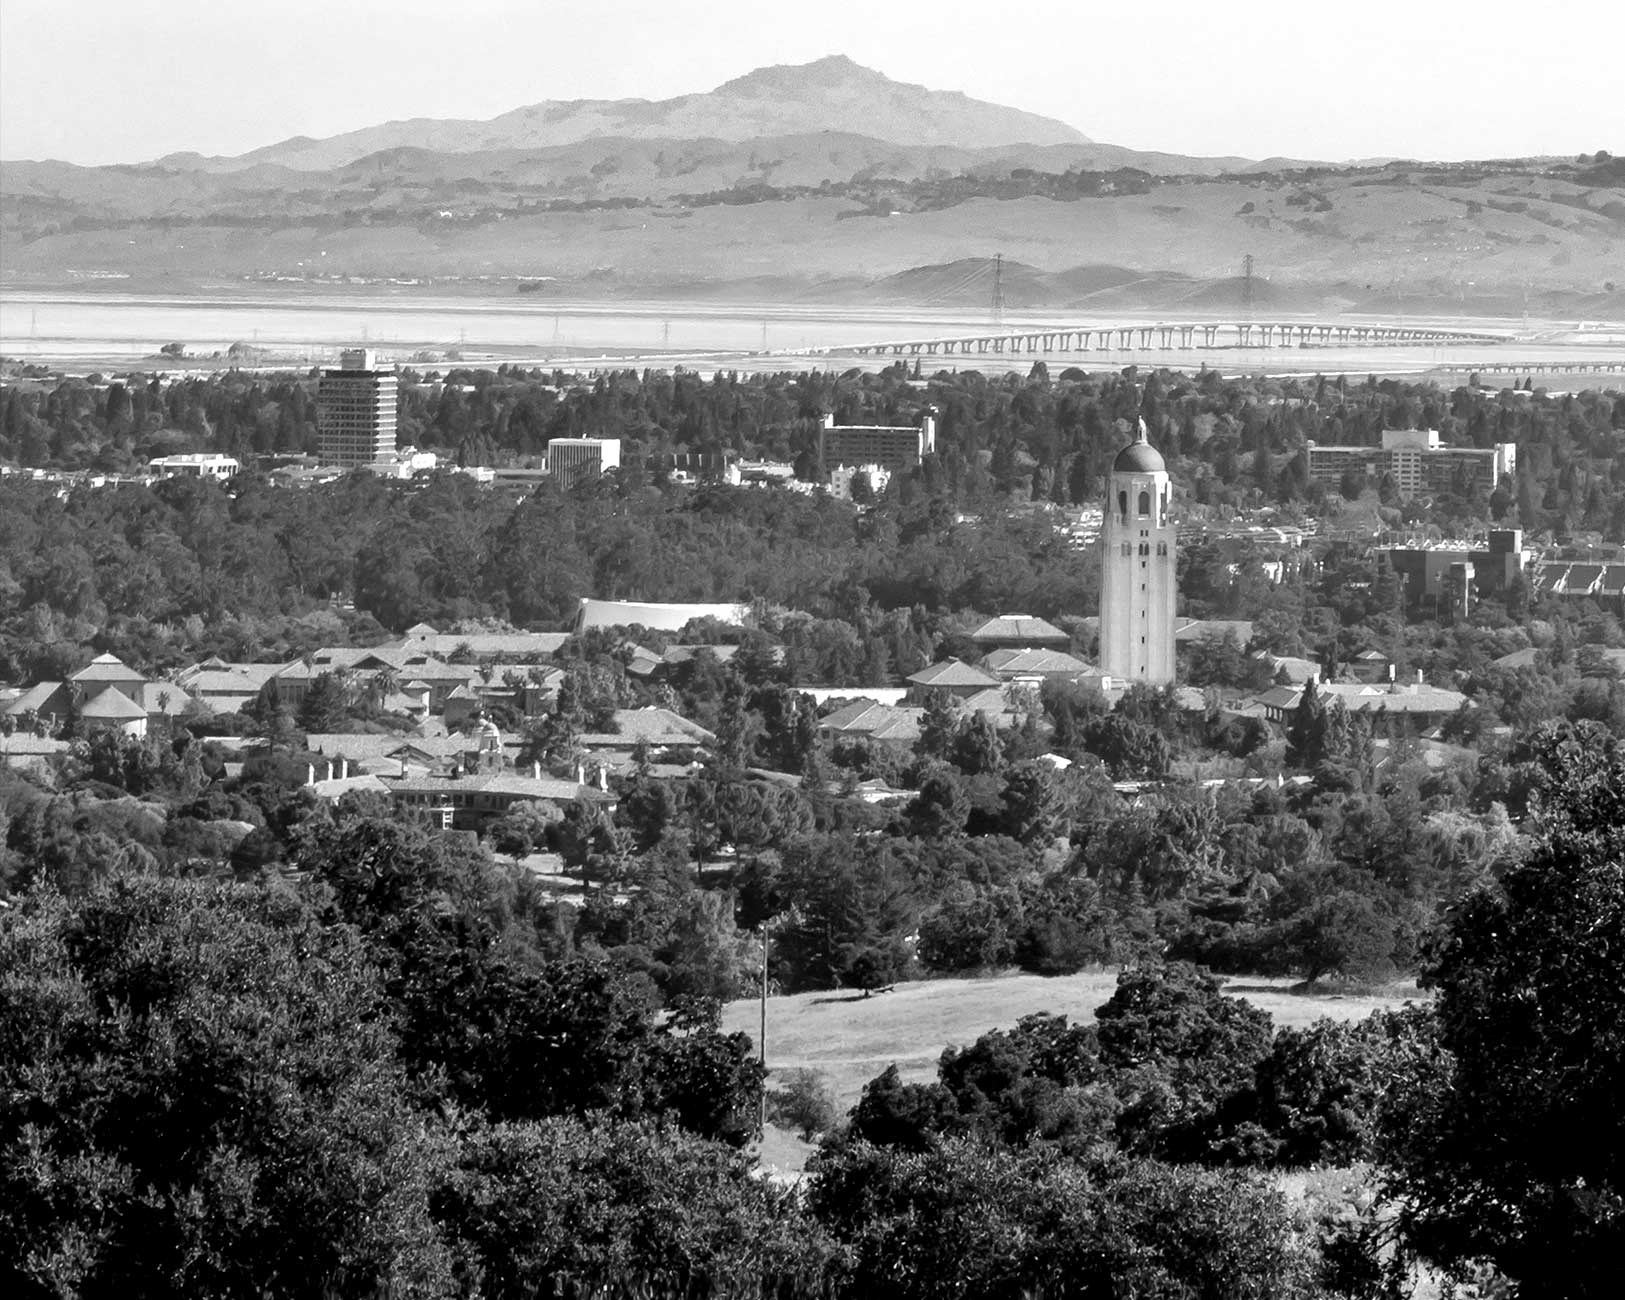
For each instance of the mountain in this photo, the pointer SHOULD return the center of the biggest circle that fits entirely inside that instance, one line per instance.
(824, 182)
(829, 94)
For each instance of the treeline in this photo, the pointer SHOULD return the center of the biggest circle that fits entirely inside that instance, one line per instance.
(1230, 443)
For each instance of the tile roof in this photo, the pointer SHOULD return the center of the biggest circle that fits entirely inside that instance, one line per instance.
(653, 726)
(877, 721)
(951, 673)
(113, 705)
(106, 668)
(35, 698)
(482, 645)
(992, 700)
(1043, 663)
(215, 677)
(1020, 627)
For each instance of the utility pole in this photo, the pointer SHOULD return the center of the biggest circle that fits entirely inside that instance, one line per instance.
(1247, 282)
(998, 291)
(761, 1038)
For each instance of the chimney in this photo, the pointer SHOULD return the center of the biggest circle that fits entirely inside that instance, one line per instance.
(1418, 676)
(344, 769)
(327, 770)
(603, 778)
(581, 774)
(403, 768)
(310, 774)
(535, 771)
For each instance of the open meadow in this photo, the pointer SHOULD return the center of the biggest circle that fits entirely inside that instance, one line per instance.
(849, 1038)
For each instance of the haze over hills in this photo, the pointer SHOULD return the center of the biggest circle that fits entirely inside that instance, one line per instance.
(830, 94)
(825, 182)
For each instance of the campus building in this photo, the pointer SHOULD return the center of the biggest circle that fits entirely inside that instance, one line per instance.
(1454, 571)
(356, 410)
(195, 465)
(890, 446)
(1138, 578)
(574, 460)
(1420, 463)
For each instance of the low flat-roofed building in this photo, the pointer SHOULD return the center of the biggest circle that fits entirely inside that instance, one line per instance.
(195, 464)
(654, 615)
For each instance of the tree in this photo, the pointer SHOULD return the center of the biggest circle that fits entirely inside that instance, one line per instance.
(522, 829)
(1511, 1149)
(1306, 729)
(199, 1097)
(566, 1207)
(1176, 1049)
(325, 706)
(1341, 934)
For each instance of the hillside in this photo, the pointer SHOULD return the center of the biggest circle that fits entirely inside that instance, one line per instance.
(1479, 243)
(830, 94)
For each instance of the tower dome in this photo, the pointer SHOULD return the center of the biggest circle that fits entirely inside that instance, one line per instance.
(1139, 457)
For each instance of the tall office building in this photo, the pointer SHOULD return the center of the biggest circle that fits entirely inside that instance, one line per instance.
(1138, 569)
(356, 407)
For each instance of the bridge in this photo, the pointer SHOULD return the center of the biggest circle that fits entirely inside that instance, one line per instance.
(1170, 337)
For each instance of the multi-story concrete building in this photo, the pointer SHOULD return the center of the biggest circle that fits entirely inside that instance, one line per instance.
(1419, 462)
(891, 446)
(1457, 569)
(1138, 582)
(574, 460)
(356, 410)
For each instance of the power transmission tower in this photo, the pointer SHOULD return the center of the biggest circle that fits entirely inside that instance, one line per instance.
(1247, 281)
(998, 291)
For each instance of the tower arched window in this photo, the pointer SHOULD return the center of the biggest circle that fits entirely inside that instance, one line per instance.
(1145, 503)
(1122, 504)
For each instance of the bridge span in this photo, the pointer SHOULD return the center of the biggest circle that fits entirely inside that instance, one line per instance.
(1173, 336)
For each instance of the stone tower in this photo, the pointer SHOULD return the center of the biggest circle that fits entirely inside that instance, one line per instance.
(1137, 569)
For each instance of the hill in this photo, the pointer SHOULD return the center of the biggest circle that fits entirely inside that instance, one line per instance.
(830, 94)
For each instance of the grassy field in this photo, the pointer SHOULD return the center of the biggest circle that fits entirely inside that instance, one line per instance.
(849, 1038)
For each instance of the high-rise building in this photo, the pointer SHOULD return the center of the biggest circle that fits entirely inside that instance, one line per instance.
(356, 408)
(891, 446)
(572, 460)
(1138, 569)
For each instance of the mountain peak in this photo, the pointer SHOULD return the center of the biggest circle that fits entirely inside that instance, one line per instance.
(831, 70)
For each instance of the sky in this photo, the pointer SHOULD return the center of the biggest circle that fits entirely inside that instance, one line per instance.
(105, 81)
